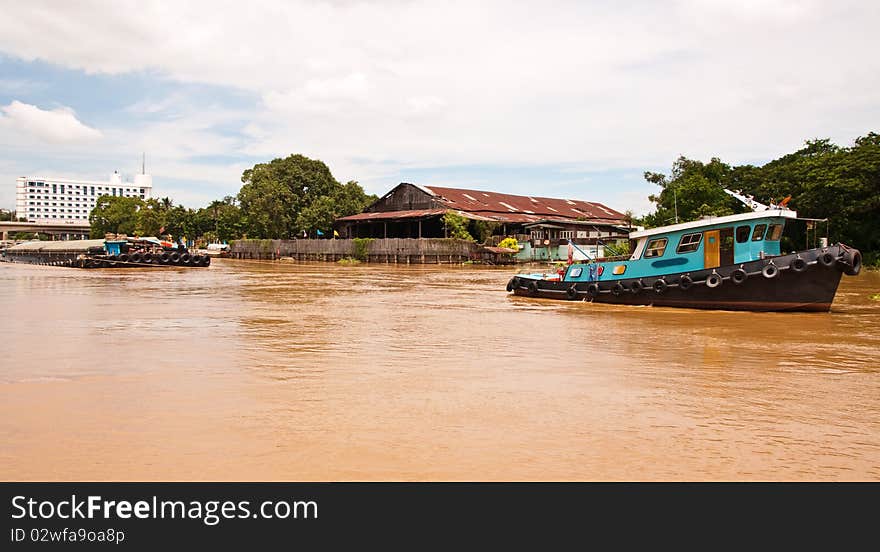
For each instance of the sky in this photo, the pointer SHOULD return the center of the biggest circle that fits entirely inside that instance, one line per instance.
(560, 99)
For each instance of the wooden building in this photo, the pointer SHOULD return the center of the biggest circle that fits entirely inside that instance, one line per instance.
(413, 211)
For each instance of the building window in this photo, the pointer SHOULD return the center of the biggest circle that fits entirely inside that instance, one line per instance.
(566, 234)
(758, 234)
(537, 234)
(689, 243)
(656, 248)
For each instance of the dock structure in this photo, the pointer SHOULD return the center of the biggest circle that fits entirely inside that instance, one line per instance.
(386, 250)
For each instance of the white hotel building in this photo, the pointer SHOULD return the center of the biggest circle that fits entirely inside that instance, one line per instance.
(61, 200)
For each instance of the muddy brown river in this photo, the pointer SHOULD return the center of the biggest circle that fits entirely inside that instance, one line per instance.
(274, 371)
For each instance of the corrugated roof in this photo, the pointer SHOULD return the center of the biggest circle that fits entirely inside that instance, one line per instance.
(390, 215)
(514, 208)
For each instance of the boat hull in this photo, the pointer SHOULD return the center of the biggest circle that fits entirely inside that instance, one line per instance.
(802, 281)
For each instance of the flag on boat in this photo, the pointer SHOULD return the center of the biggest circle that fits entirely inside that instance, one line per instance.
(319, 232)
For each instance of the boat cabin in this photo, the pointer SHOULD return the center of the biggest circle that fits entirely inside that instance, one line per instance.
(698, 245)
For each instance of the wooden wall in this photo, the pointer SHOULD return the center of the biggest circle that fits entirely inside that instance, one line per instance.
(391, 250)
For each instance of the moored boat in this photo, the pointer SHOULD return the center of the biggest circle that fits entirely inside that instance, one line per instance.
(732, 263)
(116, 253)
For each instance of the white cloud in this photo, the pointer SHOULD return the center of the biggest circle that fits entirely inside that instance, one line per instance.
(57, 126)
(373, 87)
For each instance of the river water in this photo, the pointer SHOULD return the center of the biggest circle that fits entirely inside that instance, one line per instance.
(275, 371)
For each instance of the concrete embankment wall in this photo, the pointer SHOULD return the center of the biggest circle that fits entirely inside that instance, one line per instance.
(388, 250)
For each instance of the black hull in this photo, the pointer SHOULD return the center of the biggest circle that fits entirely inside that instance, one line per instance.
(803, 281)
(79, 260)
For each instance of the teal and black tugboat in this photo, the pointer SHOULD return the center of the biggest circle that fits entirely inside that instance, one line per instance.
(733, 262)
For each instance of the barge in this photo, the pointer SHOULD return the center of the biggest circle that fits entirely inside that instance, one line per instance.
(730, 263)
(120, 253)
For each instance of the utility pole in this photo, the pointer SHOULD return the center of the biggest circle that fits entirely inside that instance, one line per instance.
(675, 203)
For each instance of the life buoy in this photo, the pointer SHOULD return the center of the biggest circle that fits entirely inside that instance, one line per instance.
(533, 288)
(636, 287)
(798, 265)
(714, 280)
(617, 289)
(739, 276)
(685, 283)
(593, 290)
(826, 259)
(770, 271)
(571, 292)
(854, 263)
(660, 285)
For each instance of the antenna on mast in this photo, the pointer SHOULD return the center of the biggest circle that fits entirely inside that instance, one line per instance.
(144, 163)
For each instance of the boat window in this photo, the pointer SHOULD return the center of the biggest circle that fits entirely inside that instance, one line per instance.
(758, 234)
(689, 243)
(775, 232)
(742, 233)
(576, 272)
(656, 248)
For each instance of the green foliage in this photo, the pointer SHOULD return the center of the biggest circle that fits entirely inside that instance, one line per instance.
(482, 229)
(456, 226)
(693, 190)
(115, 214)
(286, 196)
(347, 261)
(618, 248)
(6, 215)
(150, 218)
(509, 243)
(223, 218)
(360, 248)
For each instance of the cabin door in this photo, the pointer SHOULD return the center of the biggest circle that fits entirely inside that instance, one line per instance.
(718, 248)
(711, 249)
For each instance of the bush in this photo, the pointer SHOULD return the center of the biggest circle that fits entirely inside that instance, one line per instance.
(360, 248)
(456, 226)
(509, 243)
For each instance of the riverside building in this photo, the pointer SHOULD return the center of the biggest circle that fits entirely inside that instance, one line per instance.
(60, 200)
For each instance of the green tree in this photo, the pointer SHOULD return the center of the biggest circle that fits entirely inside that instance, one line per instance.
(151, 218)
(115, 214)
(456, 226)
(693, 190)
(223, 219)
(274, 194)
(281, 198)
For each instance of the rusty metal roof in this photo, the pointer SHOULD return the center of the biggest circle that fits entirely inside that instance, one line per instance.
(391, 215)
(515, 208)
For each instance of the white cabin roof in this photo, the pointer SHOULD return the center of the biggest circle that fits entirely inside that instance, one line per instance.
(708, 221)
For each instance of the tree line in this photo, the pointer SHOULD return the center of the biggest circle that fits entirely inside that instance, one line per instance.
(823, 179)
(280, 199)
